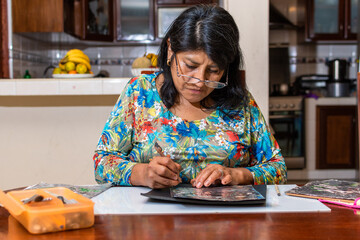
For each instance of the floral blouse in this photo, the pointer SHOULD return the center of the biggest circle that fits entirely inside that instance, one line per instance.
(140, 118)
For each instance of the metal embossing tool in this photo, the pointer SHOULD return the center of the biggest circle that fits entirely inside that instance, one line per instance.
(33, 198)
(159, 149)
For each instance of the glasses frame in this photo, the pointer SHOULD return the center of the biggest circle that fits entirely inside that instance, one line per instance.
(206, 82)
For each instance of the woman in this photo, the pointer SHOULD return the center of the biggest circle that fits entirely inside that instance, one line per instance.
(194, 121)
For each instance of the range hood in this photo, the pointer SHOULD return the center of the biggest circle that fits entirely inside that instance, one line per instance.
(278, 20)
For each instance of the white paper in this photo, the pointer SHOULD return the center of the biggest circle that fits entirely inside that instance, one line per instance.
(127, 200)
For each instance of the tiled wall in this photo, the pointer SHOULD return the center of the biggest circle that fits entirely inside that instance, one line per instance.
(37, 51)
(312, 58)
(27, 54)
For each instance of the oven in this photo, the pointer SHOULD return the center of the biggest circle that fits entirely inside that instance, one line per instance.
(286, 118)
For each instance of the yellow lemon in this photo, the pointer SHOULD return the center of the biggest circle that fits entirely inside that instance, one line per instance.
(69, 66)
(57, 71)
(81, 68)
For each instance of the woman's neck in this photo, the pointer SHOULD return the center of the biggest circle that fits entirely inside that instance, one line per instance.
(183, 108)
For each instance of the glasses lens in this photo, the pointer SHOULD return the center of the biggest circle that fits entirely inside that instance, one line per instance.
(208, 83)
(215, 84)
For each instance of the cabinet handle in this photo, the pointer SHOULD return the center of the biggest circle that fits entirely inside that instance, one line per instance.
(341, 27)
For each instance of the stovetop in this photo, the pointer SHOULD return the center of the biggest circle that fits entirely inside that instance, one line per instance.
(285, 103)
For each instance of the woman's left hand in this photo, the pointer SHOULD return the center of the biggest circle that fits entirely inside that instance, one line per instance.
(212, 174)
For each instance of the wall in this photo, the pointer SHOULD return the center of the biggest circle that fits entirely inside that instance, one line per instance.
(252, 18)
(52, 144)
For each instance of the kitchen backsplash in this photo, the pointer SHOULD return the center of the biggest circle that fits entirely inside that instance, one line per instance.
(312, 59)
(28, 54)
(36, 52)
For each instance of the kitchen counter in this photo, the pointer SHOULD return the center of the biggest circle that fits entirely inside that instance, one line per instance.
(56, 86)
(311, 102)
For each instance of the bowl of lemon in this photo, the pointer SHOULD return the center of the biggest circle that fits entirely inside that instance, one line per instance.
(75, 64)
(146, 64)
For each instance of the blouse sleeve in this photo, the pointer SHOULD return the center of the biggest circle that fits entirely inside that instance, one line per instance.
(267, 165)
(111, 160)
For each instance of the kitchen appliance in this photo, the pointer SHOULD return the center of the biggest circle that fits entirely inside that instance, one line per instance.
(286, 117)
(338, 86)
(310, 83)
(338, 69)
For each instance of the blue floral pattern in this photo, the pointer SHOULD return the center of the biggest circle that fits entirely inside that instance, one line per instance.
(139, 119)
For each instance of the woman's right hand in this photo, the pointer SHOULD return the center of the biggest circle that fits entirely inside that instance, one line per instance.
(160, 172)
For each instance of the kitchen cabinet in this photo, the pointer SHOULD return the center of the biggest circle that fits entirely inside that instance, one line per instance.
(90, 19)
(184, 2)
(4, 47)
(167, 10)
(335, 137)
(138, 21)
(37, 16)
(99, 20)
(135, 20)
(110, 20)
(331, 20)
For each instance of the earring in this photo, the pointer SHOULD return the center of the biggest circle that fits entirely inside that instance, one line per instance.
(168, 62)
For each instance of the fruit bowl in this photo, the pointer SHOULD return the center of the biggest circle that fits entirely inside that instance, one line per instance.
(75, 63)
(73, 75)
(138, 71)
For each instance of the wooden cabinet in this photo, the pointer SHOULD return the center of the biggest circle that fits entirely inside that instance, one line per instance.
(138, 21)
(331, 20)
(90, 19)
(110, 20)
(182, 2)
(4, 47)
(99, 19)
(74, 18)
(335, 137)
(37, 16)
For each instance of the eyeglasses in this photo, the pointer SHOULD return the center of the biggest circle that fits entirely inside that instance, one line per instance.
(208, 83)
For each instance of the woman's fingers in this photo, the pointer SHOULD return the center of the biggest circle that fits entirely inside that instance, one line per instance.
(210, 175)
(161, 182)
(166, 167)
(226, 179)
(163, 172)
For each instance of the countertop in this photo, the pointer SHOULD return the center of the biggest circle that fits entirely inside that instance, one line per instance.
(310, 102)
(57, 86)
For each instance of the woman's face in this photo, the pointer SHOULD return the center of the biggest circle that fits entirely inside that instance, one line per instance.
(186, 68)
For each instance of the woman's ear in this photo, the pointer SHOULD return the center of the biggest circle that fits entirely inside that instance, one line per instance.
(170, 52)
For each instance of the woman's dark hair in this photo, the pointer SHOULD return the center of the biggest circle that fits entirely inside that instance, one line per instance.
(211, 29)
